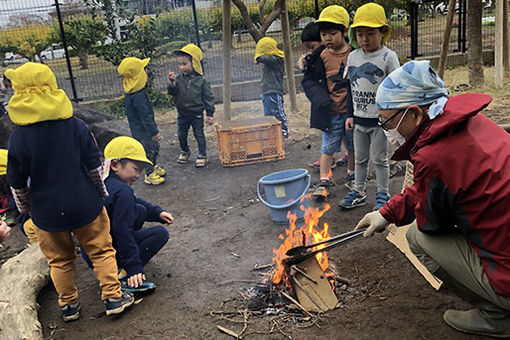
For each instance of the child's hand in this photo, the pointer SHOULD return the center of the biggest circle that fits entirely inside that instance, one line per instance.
(5, 231)
(349, 123)
(166, 217)
(157, 137)
(210, 120)
(171, 77)
(136, 280)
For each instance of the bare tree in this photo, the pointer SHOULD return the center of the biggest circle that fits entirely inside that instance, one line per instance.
(475, 59)
(257, 32)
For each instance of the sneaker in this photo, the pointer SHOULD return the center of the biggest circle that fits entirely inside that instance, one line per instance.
(321, 190)
(71, 311)
(146, 286)
(380, 199)
(183, 157)
(117, 306)
(352, 200)
(349, 181)
(342, 161)
(159, 171)
(154, 179)
(200, 162)
(317, 164)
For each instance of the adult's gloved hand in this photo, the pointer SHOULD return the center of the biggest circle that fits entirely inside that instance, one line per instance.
(375, 223)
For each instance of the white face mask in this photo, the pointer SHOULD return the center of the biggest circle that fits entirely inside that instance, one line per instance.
(393, 136)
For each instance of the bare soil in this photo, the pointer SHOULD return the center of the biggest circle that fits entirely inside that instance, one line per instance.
(221, 231)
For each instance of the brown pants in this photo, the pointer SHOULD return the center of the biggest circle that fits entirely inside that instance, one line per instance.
(59, 249)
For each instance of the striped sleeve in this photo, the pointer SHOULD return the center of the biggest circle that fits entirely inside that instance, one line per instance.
(96, 178)
(22, 199)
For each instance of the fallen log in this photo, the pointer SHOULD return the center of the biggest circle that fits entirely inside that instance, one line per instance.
(21, 279)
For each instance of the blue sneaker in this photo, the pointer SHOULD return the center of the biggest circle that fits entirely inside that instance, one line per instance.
(71, 311)
(380, 199)
(117, 306)
(352, 200)
(146, 286)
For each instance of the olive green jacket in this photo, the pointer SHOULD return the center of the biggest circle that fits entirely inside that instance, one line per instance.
(192, 94)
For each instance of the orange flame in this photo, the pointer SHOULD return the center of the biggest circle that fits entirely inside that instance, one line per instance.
(294, 236)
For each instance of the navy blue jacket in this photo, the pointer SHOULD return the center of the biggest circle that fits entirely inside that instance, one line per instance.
(315, 86)
(56, 155)
(121, 207)
(140, 114)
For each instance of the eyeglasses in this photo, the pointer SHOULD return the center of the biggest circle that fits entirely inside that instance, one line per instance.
(385, 123)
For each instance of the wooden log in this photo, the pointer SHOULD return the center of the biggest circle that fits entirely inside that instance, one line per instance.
(21, 279)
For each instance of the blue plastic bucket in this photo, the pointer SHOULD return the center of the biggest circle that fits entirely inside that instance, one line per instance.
(284, 190)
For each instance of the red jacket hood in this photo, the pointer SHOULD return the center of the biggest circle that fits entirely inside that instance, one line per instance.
(457, 110)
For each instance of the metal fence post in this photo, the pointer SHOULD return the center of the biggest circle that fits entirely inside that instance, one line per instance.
(413, 10)
(316, 9)
(64, 43)
(195, 20)
(464, 26)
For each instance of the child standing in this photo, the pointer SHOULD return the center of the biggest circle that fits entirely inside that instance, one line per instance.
(368, 65)
(327, 88)
(58, 153)
(271, 57)
(192, 95)
(140, 114)
(135, 246)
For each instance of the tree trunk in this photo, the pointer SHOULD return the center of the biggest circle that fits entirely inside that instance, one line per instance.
(83, 55)
(474, 34)
(258, 33)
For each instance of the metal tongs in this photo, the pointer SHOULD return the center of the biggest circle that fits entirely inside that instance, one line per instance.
(300, 253)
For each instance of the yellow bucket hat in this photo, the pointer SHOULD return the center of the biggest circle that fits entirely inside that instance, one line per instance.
(334, 14)
(267, 45)
(369, 15)
(3, 162)
(126, 147)
(133, 71)
(37, 97)
(196, 55)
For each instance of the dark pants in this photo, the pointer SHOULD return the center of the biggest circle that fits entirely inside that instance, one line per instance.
(197, 124)
(273, 106)
(150, 240)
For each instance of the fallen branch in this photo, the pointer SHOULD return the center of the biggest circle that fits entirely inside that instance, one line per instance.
(228, 331)
(294, 301)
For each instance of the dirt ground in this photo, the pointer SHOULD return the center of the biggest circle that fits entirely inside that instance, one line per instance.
(221, 231)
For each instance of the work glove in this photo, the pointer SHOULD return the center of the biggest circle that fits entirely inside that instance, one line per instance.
(374, 221)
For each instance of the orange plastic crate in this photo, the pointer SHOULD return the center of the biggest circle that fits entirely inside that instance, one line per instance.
(250, 141)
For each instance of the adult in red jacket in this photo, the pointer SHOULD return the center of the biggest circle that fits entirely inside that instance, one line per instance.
(460, 196)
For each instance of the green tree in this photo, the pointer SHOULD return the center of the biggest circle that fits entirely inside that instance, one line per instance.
(29, 40)
(82, 33)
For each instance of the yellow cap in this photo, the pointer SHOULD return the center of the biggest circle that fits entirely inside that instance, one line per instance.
(267, 45)
(3, 162)
(369, 15)
(334, 14)
(133, 71)
(196, 55)
(37, 97)
(125, 147)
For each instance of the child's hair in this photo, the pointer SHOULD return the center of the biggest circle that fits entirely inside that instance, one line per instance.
(323, 26)
(123, 161)
(311, 33)
(184, 54)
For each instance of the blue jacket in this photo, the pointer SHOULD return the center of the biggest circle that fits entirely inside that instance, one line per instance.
(121, 207)
(140, 114)
(315, 86)
(56, 155)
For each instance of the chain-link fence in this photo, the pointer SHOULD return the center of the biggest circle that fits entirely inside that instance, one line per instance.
(98, 37)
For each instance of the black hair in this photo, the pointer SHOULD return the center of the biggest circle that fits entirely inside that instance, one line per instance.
(184, 54)
(323, 26)
(311, 33)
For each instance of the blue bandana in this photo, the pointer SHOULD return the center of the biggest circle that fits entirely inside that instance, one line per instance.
(413, 83)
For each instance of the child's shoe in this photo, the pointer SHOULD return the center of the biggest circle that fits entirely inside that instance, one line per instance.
(71, 311)
(349, 181)
(200, 162)
(342, 161)
(117, 306)
(146, 286)
(154, 179)
(352, 200)
(380, 200)
(183, 157)
(321, 191)
(159, 171)
(317, 164)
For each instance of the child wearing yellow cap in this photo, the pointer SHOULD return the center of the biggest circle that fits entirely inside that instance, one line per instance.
(327, 88)
(268, 54)
(192, 96)
(368, 65)
(135, 246)
(59, 154)
(141, 115)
